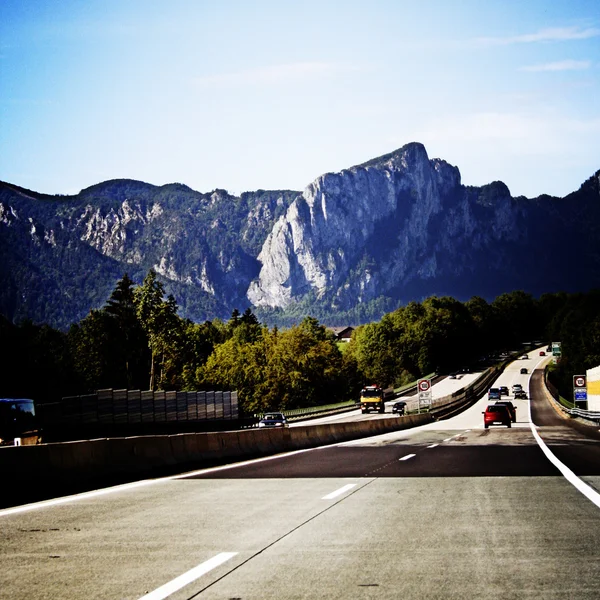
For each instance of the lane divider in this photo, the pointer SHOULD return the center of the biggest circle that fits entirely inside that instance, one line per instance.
(176, 584)
(339, 492)
(408, 456)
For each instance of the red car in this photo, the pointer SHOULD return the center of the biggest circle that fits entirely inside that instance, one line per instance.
(496, 414)
(542, 353)
(512, 409)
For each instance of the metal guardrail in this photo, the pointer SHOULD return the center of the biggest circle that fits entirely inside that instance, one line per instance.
(590, 415)
(296, 414)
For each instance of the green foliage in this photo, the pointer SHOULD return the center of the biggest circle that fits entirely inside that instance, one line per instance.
(519, 317)
(576, 325)
(138, 334)
(35, 362)
(294, 368)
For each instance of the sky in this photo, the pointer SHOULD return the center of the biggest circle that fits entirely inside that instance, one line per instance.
(247, 95)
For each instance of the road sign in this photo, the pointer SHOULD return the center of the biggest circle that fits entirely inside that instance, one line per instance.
(424, 385)
(424, 398)
(556, 349)
(579, 381)
(580, 394)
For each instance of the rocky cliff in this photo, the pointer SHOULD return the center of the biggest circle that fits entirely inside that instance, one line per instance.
(397, 228)
(404, 227)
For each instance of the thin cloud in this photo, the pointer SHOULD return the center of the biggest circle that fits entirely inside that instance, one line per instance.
(552, 34)
(275, 74)
(524, 133)
(563, 65)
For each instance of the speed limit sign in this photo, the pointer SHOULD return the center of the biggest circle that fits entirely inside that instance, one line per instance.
(424, 385)
(579, 381)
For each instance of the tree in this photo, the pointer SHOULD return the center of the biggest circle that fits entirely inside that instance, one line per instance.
(92, 344)
(129, 336)
(518, 318)
(161, 324)
(298, 367)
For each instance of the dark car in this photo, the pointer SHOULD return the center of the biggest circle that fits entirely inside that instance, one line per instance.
(542, 353)
(273, 419)
(512, 409)
(503, 390)
(523, 371)
(399, 408)
(520, 395)
(496, 414)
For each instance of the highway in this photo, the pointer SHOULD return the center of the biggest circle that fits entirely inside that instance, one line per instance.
(446, 510)
(443, 387)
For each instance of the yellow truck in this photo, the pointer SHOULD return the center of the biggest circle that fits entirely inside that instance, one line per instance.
(373, 397)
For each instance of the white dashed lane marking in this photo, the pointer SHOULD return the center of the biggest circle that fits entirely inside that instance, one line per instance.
(339, 492)
(176, 584)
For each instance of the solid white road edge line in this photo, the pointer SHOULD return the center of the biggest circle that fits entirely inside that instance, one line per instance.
(339, 492)
(584, 488)
(407, 457)
(176, 584)
(83, 496)
(135, 484)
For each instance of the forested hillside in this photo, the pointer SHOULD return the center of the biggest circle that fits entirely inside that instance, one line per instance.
(138, 340)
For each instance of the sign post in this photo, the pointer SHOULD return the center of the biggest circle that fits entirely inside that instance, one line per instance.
(580, 391)
(424, 387)
(556, 352)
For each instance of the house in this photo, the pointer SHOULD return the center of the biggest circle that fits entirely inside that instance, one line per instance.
(342, 334)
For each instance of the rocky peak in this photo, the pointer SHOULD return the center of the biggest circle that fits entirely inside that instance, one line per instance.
(325, 230)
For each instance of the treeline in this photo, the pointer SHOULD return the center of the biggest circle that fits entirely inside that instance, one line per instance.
(138, 341)
(575, 322)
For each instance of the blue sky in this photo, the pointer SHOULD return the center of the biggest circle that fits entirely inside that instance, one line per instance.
(267, 94)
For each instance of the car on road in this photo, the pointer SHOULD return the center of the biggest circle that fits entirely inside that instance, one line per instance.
(503, 390)
(512, 409)
(496, 414)
(273, 419)
(542, 353)
(516, 386)
(494, 394)
(520, 395)
(523, 357)
(399, 408)
(523, 371)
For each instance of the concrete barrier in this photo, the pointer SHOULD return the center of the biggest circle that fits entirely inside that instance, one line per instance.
(93, 460)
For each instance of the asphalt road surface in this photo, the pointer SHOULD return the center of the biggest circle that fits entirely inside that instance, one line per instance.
(447, 510)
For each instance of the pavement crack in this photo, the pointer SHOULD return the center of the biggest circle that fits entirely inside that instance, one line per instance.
(282, 537)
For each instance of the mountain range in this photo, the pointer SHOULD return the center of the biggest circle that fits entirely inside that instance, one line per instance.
(350, 247)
